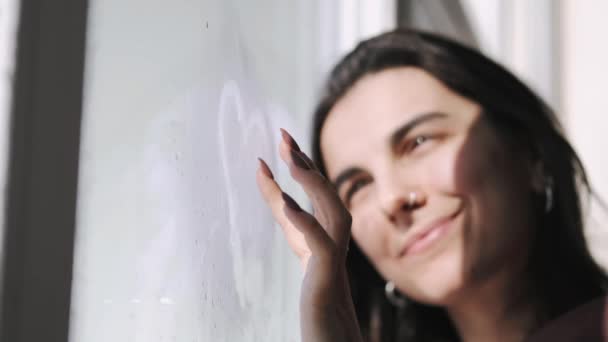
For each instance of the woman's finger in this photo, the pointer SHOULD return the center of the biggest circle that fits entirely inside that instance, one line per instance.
(302, 231)
(291, 142)
(328, 208)
(320, 243)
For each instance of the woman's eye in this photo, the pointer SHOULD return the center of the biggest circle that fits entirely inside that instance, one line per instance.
(356, 186)
(413, 144)
(419, 140)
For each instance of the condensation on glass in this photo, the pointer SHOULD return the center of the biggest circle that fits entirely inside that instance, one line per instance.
(173, 241)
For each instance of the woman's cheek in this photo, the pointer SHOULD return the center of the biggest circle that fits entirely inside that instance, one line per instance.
(465, 165)
(443, 172)
(366, 233)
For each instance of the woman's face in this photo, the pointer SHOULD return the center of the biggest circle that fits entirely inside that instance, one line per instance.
(400, 131)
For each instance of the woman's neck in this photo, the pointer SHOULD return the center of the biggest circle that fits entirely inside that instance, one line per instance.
(497, 310)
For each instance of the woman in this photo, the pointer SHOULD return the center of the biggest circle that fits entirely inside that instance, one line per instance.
(462, 196)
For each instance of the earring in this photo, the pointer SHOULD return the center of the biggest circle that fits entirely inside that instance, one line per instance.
(392, 296)
(548, 195)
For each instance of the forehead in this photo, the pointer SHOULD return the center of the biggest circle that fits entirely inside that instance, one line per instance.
(360, 123)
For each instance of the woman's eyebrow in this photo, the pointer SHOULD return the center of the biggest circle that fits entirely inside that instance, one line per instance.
(394, 140)
(345, 175)
(402, 131)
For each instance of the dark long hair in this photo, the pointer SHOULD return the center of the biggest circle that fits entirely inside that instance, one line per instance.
(563, 272)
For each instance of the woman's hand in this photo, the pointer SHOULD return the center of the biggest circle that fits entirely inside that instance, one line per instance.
(320, 241)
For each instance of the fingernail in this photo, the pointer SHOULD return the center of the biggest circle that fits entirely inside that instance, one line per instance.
(290, 140)
(299, 161)
(265, 169)
(290, 202)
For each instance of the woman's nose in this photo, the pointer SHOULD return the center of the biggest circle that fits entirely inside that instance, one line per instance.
(398, 204)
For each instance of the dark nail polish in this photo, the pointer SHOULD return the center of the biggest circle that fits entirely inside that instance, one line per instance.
(290, 202)
(290, 140)
(265, 169)
(299, 161)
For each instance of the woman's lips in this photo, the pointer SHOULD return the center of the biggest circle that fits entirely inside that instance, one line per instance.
(427, 237)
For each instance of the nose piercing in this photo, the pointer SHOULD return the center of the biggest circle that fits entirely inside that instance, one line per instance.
(411, 200)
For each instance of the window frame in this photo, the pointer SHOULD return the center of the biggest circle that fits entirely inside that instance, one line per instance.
(42, 173)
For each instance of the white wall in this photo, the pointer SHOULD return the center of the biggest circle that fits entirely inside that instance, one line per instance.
(358, 20)
(523, 35)
(584, 100)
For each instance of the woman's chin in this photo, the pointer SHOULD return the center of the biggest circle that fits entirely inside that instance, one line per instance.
(437, 294)
(438, 285)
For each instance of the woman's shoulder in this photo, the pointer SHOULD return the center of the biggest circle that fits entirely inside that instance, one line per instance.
(588, 322)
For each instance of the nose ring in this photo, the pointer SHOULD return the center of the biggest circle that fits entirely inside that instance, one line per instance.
(411, 200)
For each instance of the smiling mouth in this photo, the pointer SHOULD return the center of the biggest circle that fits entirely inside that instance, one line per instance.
(428, 237)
